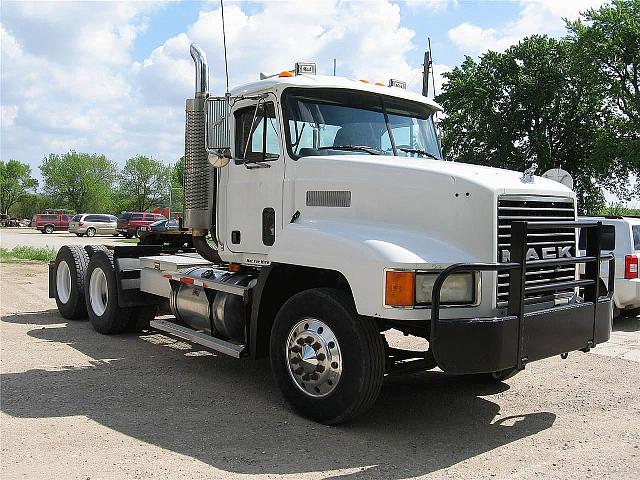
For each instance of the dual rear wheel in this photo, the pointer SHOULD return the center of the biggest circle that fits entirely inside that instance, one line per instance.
(86, 286)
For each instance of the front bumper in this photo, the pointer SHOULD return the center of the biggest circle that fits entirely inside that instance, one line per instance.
(491, 344)
(480, 345)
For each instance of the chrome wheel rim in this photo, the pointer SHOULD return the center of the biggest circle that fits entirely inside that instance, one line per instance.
(313, 357)
(98, 292)
(91, 232)
(63, 281)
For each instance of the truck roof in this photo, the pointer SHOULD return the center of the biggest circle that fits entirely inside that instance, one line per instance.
(327, 81)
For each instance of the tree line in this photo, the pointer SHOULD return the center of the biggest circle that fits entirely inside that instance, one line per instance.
(572, 103)
(83, 182)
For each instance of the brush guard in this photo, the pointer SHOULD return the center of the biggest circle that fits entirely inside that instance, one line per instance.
(479, 345)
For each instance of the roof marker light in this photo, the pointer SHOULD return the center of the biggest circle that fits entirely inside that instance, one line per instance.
(303, 68)
(285, 74)
(397, 83)
(365, 81)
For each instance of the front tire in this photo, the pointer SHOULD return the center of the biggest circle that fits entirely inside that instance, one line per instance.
(48, 229)
(101, 294)
(328, 361)
(70, 273)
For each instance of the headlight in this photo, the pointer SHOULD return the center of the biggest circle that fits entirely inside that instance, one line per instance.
(458, 288)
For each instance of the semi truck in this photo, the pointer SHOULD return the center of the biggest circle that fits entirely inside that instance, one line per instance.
(322, 215)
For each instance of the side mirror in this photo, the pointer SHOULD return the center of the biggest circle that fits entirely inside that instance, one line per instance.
(218, 134)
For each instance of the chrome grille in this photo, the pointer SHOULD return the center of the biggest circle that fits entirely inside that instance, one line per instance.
(530, 208)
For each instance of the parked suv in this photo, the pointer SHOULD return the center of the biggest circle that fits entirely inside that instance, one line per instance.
(91, 224)
(129, 223)
(621, 236)
(49, 222)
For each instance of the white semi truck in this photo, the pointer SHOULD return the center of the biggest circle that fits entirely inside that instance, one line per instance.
(323, 215)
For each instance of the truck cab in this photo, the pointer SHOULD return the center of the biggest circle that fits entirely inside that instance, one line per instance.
(323, 214)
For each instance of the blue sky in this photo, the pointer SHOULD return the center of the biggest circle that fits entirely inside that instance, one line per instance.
(111, 77)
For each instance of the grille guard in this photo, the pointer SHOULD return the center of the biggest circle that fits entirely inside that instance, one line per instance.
(516, 317)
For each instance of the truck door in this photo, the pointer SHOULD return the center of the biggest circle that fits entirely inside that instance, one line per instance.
(255, 180)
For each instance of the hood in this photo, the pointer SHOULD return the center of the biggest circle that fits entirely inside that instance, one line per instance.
(447, 202)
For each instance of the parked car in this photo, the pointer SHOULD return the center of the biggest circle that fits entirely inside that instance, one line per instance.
(161, 226)
(621, 236)
(50, 222)
(129, 223)
(91, 224)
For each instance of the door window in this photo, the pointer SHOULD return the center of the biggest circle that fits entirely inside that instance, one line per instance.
(257, 133)
(608, 238)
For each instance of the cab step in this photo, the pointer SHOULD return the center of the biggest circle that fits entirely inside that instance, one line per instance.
(223, 346)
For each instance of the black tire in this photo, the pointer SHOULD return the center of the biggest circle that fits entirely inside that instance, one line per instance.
(141, 317)
(77, 261)
(79, 234)
(91, 232)
(92, 249)
(498, 377)
(48, 229)
(128, 235)
(113, 319)
(138, 232)
(362, 356)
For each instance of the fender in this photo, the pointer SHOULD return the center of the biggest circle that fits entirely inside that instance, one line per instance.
(364, 251)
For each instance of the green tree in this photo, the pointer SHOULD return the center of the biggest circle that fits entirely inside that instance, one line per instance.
(528, 104)
(144, 183)
(607, 50)
(15, 182)
(80, 181)
(177, 187)
(30, 204)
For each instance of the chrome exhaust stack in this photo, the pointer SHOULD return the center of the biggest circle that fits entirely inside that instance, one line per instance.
(199, 180)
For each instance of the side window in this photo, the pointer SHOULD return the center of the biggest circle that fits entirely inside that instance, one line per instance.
(91, 218)
(148, 216)
(254, 135)
(636, 237)
(64, 218)
(136, 216)
(608, 238)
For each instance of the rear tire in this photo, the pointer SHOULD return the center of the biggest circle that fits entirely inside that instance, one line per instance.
(101, 294)
(319, 330)
(128, 235)
(91, 232)
(79, 234)
(70, 272)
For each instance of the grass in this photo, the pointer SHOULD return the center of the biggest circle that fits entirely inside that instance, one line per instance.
(128, 240)
(26, 253)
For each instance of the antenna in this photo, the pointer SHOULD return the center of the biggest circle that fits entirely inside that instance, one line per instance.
(224, 43)
(433, 78)
(428, 70)
(334, 67)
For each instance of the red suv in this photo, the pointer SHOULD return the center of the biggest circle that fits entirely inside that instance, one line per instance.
(48, 222)
(129, 223)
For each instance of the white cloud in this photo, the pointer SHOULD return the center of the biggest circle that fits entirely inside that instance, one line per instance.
(535, 17)
(74, 85)
(436, 6)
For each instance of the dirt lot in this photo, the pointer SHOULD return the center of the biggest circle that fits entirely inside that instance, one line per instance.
(13, 237)
(76, 404)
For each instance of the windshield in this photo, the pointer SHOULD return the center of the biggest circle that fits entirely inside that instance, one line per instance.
(347, 122)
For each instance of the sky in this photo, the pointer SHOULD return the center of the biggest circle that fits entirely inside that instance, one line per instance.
(112, 77)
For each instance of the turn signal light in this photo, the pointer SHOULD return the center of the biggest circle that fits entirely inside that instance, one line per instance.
(400, 289)
(630, 267)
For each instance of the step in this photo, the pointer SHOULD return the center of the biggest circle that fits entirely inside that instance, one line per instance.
(217, 344)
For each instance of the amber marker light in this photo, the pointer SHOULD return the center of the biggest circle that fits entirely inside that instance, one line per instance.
(400, 289)
(285, 74)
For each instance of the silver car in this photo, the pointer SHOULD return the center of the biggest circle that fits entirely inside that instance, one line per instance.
(91, 224)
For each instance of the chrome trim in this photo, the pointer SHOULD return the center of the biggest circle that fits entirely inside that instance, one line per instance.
(202, 70)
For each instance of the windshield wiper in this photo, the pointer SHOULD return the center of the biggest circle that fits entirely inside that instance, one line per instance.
(353, 148)
(419, 151)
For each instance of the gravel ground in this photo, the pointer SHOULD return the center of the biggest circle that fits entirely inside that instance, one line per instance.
(79, 405)
(13, 237)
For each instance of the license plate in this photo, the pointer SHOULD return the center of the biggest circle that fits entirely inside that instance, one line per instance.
(144, 229)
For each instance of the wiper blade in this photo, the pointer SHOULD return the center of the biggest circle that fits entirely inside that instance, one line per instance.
(352, 148)
(419, 151)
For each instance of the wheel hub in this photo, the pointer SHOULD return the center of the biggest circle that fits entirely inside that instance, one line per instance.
(314, 357)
